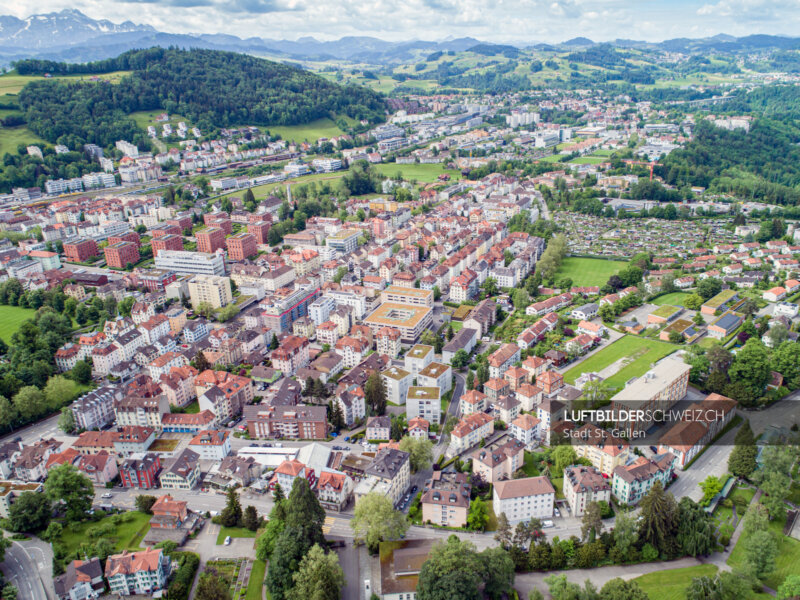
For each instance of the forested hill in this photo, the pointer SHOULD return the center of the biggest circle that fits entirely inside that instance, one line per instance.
(762, 164)
(210, 88)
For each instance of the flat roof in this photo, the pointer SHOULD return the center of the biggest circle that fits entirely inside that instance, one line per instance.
(720, 298)
(419, 351)
(434, 369)
(394, 314)
(653, 382)
(405, 291)
(343, 234)
(396, 373)
(424, 392)
(665, 311)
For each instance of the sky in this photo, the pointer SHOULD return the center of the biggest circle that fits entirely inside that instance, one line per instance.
(517, 21)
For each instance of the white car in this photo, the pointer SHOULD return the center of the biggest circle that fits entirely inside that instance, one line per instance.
(557, 512)
(546, 524)
(228, 541)
(107, 495)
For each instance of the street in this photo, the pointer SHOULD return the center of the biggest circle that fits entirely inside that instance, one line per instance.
(25, 569)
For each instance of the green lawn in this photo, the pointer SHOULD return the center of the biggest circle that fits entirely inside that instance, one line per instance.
(12, 83)
(256, 580)
(261, 191)
(529, 466)
(11, 137)
(427, 172)
(553, 158)
(11, 317)
(588, 160)
(589, 271)
(674, 298)
(671, 584)
(234, 532)
(641, 351)
(125, 535)
(144, 119)
(786, 562)
(310, 132)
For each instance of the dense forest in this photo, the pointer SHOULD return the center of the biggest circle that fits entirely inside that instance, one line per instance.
(762, 164)
(210, 88)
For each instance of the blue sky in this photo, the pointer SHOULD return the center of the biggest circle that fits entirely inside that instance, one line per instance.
(492, 20)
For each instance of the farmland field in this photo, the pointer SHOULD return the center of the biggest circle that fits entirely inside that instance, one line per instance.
(641, 352)
(589, 271)
(11, 317)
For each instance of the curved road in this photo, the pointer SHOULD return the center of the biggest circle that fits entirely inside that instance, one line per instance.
(23, 571)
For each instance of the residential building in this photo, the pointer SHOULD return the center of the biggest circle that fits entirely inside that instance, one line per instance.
(210, 289)
(424, 402)
(417, 358)
(472, 401)
(140, 471)
(525, 429)
(242, 246)
(658, 389)
(190, 263)
(291, 422)
(469, 431)
(583, 485)
(182, 472)
(211, 444)
(389, 473)
(83, 580)
(95, 409)
(499, 460)
(465, 339)
(436, 374)
(502, 359)
(524, 499)
(11, 490)
(334, 490)
(291, 355)
(602, 448)
(378, 428)
(632, 481)
(388, 342)
(210, 239)
(141, 572)
(121, 254)
(397, 382)
(446, 498)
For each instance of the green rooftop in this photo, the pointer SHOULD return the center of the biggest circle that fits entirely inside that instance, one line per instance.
(721, 298)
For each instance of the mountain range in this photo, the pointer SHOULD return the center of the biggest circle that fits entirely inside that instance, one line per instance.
(70, 35)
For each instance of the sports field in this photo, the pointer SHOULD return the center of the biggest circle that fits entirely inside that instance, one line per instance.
(589, 271)
(640, 352)
(11, 317)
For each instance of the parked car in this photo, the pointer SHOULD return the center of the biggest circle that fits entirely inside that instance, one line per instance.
(556, 512)
(107, 495)
(547, 523)
(228, 541)
(653, 449)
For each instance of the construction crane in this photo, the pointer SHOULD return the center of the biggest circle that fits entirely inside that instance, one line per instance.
(647, 164)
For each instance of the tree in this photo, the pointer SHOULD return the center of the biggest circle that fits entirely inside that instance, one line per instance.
(790, 588)
(30, 513)
(751, 367)
(520, 299)
(453, 570)
(144, 503)
(211, 586)
(319, 577)
(498, 572)
(69, 486)
(659, 514)
(337, 417)
(709, 287)
(592, 521)
(503, 532)
(490, 287)
(460, 359)
(375, 520)
(619, 589)
(53, 531)
(420, 450)
(563, 456)
(375, 393)
(773, 478)
(625, 534)
(30, 403)
(82, 372)
(66, 422)
(231, 515)
(742, 459)
(250, 518)
(760, 551)
(58, 391)
(265, 544)
(470, 380)
(711, 486)
(561, 589)
(201, 362)
(695, 529)
(784, 358)
(478, 516)
(5, 543)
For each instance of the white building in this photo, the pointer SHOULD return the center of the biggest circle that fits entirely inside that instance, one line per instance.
(524, 499)
(397, 382)
(424, 402)
(418, 357)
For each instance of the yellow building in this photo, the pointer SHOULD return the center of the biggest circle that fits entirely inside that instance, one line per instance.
(213, 289)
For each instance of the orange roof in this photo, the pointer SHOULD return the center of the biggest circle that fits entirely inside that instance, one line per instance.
(290, 467)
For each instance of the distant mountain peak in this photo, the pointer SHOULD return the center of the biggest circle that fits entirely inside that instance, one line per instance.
(578, 41)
